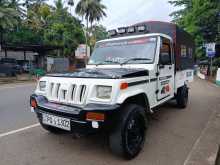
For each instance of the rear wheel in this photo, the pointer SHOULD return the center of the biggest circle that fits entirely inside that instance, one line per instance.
(182, 96)
(128, 138)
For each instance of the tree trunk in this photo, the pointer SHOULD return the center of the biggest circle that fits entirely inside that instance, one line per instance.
(6, 53)
(87, 28)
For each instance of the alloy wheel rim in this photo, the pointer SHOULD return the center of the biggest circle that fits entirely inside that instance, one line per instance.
(135, 133)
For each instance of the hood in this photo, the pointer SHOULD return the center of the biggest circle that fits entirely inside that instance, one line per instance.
(110, 73)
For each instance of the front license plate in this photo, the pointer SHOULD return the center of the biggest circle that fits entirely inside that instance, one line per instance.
(59, 122)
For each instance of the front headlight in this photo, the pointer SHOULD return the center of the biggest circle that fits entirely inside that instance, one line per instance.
(103, 92)
(42, 86)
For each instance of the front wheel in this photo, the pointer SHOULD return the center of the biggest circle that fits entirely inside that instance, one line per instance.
(182, 96)
(128, 138)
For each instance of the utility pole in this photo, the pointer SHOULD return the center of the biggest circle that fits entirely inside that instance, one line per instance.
(211, 66)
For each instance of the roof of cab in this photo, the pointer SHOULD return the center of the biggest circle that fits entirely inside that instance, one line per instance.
(135, 36)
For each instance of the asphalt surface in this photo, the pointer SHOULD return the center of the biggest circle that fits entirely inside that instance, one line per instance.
(171, 136)
(15, 107)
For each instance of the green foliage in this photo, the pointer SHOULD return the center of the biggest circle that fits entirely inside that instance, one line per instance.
(41, 24)
(91, 10)
(199, 18)
(24, 35)
(8, 15)
(37, 22)
(98, 32)
(63, 29)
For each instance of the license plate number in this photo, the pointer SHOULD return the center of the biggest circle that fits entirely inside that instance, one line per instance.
(59, 122)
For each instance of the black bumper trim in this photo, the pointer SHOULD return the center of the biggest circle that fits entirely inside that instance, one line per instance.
(77, 115)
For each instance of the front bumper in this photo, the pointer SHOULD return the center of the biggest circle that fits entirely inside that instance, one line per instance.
(77, 114)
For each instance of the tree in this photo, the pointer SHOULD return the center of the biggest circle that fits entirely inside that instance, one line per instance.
(71, 4)
(199, 18)
(8, 17)
(37, 13)
(22, 34)
(63, 30)
(27, 3)
(91, 10)
(31, 22)
(18, 6)
(98, 32)
(42, 24)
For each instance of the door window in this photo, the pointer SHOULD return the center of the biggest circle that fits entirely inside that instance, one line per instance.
(165, 52)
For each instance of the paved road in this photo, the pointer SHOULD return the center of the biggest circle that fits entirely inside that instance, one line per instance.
(171, 136)
(14, 107)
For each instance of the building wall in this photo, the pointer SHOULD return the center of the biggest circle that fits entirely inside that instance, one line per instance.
(57, 64)
(18, 55)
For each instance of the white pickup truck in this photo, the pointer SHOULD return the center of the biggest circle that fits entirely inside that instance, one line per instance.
(128, 75)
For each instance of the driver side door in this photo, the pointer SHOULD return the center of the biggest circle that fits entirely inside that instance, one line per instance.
(165, 68)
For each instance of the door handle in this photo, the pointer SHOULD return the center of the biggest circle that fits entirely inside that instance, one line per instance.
(170, 67)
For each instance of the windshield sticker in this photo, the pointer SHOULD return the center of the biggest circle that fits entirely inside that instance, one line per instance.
(129, 42)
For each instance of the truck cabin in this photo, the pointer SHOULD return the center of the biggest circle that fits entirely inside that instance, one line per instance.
(145, 43)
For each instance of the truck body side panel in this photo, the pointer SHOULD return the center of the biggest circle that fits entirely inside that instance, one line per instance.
(183, 77)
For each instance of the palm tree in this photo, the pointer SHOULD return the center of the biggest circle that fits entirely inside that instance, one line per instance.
(17, 5)
(31, 3)
(71, 4)
(91, 10)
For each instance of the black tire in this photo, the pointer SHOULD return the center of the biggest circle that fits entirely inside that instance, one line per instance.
(51, 129)
(182, 97)
(127, 139)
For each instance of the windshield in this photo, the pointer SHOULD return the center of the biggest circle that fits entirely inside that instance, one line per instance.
(132, 51)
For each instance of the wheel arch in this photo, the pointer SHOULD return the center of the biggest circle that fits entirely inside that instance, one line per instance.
(140, 99)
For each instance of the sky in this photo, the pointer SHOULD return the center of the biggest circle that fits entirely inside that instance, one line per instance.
(127, 12)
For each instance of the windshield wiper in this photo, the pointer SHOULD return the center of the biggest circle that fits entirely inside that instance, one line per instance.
(110, 61)
(107, 61)
(135, 59)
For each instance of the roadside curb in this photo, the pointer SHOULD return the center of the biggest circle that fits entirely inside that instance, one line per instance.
(205, 149)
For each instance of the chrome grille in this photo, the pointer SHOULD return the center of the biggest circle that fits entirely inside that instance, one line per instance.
(73, 93)
(82, 93)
